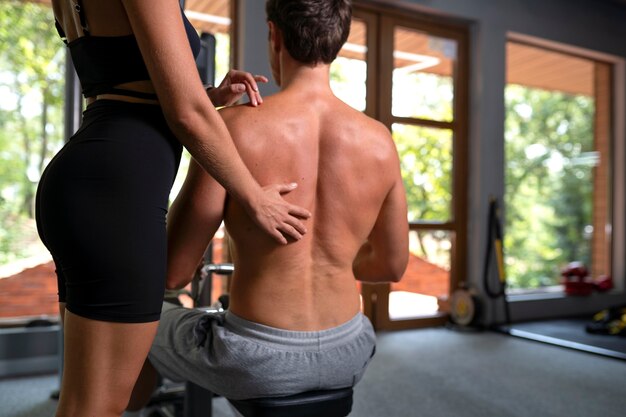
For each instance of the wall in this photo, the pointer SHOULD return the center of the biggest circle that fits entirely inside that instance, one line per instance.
(252, 36)
(590, 24)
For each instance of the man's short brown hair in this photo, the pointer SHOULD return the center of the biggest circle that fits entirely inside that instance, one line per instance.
(313, 30)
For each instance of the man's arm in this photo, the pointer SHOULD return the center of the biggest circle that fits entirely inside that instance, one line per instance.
(385, 255)
(194, 217)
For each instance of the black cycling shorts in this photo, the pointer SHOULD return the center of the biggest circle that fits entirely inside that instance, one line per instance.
(101, 208)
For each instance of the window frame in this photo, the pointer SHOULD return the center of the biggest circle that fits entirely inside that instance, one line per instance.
(617, 171)
(379, 88)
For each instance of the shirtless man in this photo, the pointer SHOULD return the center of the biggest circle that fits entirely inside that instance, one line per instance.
(348, 176)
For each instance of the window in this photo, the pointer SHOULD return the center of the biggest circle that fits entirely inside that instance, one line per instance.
(32, 98)
(32, 71)
(425, 79)
(558, 193)
(348, 73)
(411, 75)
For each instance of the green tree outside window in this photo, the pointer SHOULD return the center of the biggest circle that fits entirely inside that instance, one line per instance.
(549, 184)
(32, 59)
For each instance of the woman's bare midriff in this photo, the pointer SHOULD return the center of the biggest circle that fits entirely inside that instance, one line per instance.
(138, 86)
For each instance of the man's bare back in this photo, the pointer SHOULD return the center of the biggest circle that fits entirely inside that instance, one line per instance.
(345, 165)
(347, 172)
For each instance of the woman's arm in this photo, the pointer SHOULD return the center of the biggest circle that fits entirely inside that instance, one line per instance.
(161, 36)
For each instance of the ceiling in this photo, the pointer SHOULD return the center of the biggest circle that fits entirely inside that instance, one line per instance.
(549, 70)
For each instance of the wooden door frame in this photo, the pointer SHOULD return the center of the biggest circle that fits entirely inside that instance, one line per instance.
(379, 17)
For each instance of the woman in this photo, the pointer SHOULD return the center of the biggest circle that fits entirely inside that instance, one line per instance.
(103, 198)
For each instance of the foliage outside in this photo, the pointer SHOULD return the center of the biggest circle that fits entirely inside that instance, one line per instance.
(549, 169)
(31, 117)
(549, 184)
(425, 153)
(32, 82)
(425, 158)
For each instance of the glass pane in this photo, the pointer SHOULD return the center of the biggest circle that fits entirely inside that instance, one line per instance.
(552, 166)
(426, 163)
(423, 83)
(32, 69)
(424, 288)
(348, 73)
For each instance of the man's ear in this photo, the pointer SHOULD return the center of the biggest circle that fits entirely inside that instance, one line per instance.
(275, 37)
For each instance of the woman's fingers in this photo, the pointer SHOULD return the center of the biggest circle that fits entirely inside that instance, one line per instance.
(289, 231)
(255, 87)
(252, 91)
(291, 224)
(236, 83)
(238, 88)
(292, 209)
(250, 81)
(249, 78)
(285, 188)
(296, 225)
(278, 236)
(279, 218)
(299, 212)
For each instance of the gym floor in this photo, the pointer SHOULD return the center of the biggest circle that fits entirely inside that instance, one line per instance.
(440, 373)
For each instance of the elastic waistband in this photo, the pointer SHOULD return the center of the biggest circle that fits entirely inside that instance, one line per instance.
(126, 106)
(280, 338)
(130, 93)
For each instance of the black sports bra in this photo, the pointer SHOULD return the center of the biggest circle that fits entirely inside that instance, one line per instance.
(102, 62)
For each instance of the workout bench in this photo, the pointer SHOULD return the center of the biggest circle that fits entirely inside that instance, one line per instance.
(325, 403)
(197, 401)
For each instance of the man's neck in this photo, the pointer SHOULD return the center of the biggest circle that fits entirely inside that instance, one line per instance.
(305, 78)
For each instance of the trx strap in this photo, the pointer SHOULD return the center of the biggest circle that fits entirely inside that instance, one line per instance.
(494, 244)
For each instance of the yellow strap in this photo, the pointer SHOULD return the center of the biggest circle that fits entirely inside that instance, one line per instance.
(500, 258)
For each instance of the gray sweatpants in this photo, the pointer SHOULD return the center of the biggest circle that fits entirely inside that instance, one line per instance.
(240, 359)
